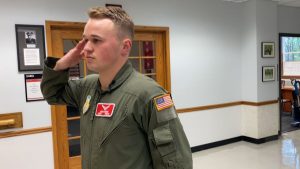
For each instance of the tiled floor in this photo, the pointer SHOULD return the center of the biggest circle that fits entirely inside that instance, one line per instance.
(280, 154)
(286, 120)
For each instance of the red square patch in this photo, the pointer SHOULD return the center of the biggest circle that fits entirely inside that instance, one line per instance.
(105, 109)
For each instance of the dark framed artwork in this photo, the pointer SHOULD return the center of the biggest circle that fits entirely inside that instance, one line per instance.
(268, 49)
(30, 47)
(113, 5)
(268, 73)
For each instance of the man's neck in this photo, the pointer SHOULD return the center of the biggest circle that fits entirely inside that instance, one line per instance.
(107, 76)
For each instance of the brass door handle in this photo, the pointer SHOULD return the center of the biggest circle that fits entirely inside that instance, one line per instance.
(7, 122)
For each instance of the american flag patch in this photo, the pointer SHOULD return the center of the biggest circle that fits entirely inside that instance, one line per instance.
(163, 102)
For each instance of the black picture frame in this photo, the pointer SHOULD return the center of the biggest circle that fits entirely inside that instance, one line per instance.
(268, 49)
(268, 73)
(113, 5)
(32, 87)
(31, 52)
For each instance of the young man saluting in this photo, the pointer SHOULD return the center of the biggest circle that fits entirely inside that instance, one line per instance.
(127, 120)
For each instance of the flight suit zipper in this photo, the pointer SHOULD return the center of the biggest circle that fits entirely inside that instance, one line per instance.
(114, 130)
(92, 131)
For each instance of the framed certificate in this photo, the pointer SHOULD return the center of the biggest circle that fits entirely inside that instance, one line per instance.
(30, 47)
(32, 87)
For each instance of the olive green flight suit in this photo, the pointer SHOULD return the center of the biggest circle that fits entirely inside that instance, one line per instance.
(136, 136)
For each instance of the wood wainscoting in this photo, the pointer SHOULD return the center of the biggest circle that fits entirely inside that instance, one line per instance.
(223, 105)
(25, 132)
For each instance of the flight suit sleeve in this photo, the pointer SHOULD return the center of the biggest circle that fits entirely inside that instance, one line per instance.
(168, 143)
(56, 86)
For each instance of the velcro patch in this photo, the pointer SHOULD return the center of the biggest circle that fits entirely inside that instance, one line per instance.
(163, 102)
(105, 109)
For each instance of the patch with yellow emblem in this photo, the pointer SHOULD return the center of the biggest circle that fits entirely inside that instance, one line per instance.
(86, 104)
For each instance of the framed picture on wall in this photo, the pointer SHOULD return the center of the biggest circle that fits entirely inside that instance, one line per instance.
(268, 73)
(268, 49)
(113, 5)
(30, 47)
(32, 87)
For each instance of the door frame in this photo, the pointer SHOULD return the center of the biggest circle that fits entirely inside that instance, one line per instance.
(280, 75)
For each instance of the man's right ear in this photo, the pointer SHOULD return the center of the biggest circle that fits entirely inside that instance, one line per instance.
(127, 44)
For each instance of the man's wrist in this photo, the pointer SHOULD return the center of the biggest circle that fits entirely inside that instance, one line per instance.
(59, 66)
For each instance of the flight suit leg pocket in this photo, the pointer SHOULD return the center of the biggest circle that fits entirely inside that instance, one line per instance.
(164, 140)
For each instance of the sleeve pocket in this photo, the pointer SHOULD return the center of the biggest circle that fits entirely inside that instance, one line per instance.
(164, 140)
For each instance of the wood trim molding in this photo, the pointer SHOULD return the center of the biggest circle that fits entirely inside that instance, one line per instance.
(208, 107)
(25, 132)
(185, 110)
(259, 103)
(223, 105)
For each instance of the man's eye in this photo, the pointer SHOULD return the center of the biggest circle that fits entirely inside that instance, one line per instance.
(96, 40)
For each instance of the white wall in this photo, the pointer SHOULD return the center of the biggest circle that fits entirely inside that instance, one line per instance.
(288, 19)
(260, 25)
(205, 47)
(209, 57)
(267, 31)
(248, 52)
(27, 152)
(203, 127)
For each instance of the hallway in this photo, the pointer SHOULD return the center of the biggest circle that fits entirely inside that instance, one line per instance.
(279, 154)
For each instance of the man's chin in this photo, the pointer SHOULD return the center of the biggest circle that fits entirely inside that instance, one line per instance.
(98, 69)
(91, 68)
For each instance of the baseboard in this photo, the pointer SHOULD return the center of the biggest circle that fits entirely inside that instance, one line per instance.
(261, 140)
(234, 140)
(216, 144)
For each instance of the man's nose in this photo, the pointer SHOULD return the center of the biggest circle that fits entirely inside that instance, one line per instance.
(88, 47)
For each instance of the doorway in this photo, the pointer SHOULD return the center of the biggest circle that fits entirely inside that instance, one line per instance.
(289, 49)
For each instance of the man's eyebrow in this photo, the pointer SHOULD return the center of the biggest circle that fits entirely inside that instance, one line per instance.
(96, 36)
(93, 36)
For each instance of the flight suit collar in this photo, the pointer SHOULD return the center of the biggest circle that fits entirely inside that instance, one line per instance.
(120, 77)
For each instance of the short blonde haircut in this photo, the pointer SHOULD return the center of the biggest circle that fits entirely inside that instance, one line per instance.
(118, 16)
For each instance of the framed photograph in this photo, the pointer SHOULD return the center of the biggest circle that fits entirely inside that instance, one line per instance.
(268, 49)
(30, 47)
(32, 87)
(268, 73)
(113, 5)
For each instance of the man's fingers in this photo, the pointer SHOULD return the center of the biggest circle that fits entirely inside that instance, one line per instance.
(82, 54)
(81, 44)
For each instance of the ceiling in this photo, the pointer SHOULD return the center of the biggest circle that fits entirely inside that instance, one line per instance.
(294, 3)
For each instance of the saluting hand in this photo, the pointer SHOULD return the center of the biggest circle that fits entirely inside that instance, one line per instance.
(72, 58)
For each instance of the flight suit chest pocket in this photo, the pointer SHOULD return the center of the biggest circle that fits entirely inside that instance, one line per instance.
(164, 140)
(111, 126)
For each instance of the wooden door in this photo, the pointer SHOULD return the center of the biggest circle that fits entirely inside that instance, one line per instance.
(146, 55)
(61, 37)
(149, 55)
